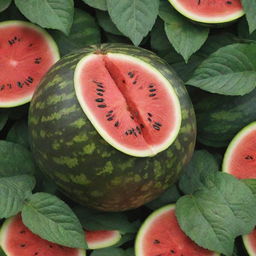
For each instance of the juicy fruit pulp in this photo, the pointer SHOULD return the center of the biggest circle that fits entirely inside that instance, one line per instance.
(240, 157)
(26, 53)
(132, 106)
(161, 235)
(209, 11)
(17, 240)
(249, 241)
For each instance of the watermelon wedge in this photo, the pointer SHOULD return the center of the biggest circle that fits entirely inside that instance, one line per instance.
(26, 54)
(17, 240)
(160, 234)
(208, 11)
(240, 157)
(250, 243)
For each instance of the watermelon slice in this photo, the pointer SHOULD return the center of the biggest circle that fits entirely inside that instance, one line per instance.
(17, 240)
(250, 243)
(102, 238)
(240, 157)
(26, 54)
(209, 11)
(160, 234)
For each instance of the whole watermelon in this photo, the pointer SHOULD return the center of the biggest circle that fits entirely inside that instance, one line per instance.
(75, 153)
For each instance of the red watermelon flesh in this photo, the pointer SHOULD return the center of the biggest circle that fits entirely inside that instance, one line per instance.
(250, 242)
(161, 235)
(17, 240)
(132, 106)
(26, 54)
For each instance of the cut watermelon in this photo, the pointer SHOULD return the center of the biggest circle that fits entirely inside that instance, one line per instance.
(160, 234)
(209, 11)
(250, 243)
(240, 157)
(102, 238)
(26, 54)
(17, 240)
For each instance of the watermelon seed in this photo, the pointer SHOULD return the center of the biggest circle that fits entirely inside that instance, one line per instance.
(99, 100)
(228, 2)
(134, 82)
(2, 87)
(138, 129)
(172, 252)
(110, 118)
(130, 131)
(156, 241)
(98, 83)
(156, 127)
(100, 90)
(131, 74)
(132, 117)
(36, 253)
(100, 94)
(126, 133)
(102, 106)
(135, 134)
(30, 79)
(123, 81)
(108, 115)
(151, 86)
(38, 60)
(50, 246)
(152, 90)
(9, 85)
(149, 119)
(110, 111)
(142, 126)
(149, 114)
(22, 232)
(152, 95)
(19, 84)
(116, 124)
(248, 157)
(158, 124)
(30, 45)
(23, 245)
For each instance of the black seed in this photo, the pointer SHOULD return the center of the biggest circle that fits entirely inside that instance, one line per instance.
(110, 118)
(15, 38)
(51, 246)
(38, 60)
(152, 90)
(149, 119)
(135, 134)
(30, 45)
(98, 83)
(99, 100)
(22, 232)
(138, 129)
(123, 81)
(9, 85)
(30, 79)
(156, 127)
(152, 95)
(172, 252)
(134, 82)
(19, 84)
(132, 117)
(36, 253)
(248, 157)
(100, 90)
(126, 133)
(10, 42)
(23, 245)
(2, 87)
(141, 126)
(102, 106)
(149, 114)
(157, 123)
(108, 115)
(156, 241)
(131, 74)
(130, 131)
(116, 124)
(151, 86)
(100, 94)
(228, 2)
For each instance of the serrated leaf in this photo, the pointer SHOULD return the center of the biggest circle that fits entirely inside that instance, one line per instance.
(109, 252)
(185, 36)
(13, 192)
(15, 160)
(3, 119)
(84, 31)
(4, 4)
(215, 215)
(134, 18)
(98, 4)
(53, 220)
(231, 70)
(55, 14)
(201, 165)
(249, 8)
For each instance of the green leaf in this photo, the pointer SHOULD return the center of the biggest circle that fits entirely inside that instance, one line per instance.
(13, 193)
(134, 18)
(249, 8)
(15, 160)
(251, 183)
(130, 252)
(55, 14)
(2, 253)
(215, 215)
(4, 4)
(185, 36)
(109, 252)
(231, 70)
(201, 165)
(243, 31)
(98, 4)
(3, 119)
(53, 220)
(84, 31)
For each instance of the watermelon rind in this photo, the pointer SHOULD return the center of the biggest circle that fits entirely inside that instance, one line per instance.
(204, 19)
(52, 46)
(4, 237)
(234, 143)
(138, 153)
(248, 246)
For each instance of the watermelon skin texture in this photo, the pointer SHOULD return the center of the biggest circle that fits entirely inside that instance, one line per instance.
(85, 167)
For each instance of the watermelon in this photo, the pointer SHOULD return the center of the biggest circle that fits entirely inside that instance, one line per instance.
(26, 53)
(17, 240)
(208, 11)
(240, 157)
(112, 125)
(97, 239)
(249, 241)
(160, 234)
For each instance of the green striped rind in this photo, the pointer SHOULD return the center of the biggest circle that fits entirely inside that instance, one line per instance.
(220, 118)
(89, 170)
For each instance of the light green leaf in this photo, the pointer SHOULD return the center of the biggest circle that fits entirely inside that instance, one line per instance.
(98, 4)
(4, 4)
(13, 193)
(53, 220)
(55, 14)
(185, 36)
(134, 18)
(15, 160)
(215, 215)
(109, 252)
(249, 8)
(231, 70)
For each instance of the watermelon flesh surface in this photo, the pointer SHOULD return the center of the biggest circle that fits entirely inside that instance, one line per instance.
(26, 54)
(17, 240)
(128, 102)
(250, 242)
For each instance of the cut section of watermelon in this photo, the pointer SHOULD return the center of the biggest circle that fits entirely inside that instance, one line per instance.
(26, 54)
(102, 238)
(209, 11)
(160, 234)
(240, 157)
(17, 240)
(250, 243)
(127, 101)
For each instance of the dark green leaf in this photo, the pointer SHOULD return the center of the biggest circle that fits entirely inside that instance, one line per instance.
(3, 119)
(125, 238)
(215, 215)
(55, 14)
(201, 165)
(134, 18)
(231, 70)
(53, 220)
(13, 193)
(4, 4)
(130, 252)
(109, 252)
(249, 8)
(2, 253)
(243, 31)
(15, 160)
(251, 183)
(99, 4)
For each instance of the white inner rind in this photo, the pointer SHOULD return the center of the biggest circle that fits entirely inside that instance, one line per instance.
(205, 19)
(234, 144)
(153, 150)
